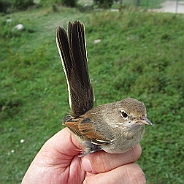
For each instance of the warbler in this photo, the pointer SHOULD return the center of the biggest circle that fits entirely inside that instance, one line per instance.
(113, 127)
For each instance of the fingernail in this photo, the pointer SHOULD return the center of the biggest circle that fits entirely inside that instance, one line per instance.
(86, 165)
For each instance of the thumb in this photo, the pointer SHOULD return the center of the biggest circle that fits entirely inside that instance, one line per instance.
(62, 144)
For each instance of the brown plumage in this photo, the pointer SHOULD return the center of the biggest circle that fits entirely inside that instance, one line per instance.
(73, 51)
(114, 127)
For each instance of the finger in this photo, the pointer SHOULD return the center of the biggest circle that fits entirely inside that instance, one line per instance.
(127, 174)
(102, 162)
(56, 157)
(64, 142)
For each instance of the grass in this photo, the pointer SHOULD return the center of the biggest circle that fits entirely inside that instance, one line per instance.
(151, 4)
(143, 3)
(140, 55)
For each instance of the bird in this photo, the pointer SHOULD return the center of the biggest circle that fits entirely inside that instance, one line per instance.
(113, 127)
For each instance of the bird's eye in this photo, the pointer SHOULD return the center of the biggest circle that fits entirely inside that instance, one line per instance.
(123, 114)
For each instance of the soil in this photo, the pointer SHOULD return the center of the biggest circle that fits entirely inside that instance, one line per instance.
(172, 7)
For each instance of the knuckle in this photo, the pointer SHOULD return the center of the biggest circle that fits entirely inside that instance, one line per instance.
(136, 175)
(136, 151)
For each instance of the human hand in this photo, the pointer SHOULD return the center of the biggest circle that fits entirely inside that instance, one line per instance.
(58, 162)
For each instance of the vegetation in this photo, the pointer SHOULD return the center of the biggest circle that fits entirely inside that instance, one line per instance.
(70, 3)
(103, 3)
(8, 6)
(140, 55)
(23, 4)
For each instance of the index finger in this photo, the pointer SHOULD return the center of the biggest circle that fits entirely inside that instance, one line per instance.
(103, 162)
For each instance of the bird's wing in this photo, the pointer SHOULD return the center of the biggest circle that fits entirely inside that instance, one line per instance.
(85, 129)
(72, 50)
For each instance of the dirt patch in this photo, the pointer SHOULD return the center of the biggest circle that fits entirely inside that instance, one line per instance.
(172, 7)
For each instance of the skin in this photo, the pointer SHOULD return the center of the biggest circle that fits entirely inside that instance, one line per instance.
(58, 162)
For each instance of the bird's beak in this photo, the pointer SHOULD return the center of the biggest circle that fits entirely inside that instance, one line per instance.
(146, 121)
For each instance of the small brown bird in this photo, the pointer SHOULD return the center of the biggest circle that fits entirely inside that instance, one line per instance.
(114, 127)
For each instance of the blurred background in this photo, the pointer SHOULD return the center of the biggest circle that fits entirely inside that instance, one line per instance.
(135, 49)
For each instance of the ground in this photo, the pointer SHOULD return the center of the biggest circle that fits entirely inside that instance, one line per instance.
(172, 7)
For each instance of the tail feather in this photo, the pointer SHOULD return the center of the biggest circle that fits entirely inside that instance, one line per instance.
(77, 43)
(72, 50)
(64, 51)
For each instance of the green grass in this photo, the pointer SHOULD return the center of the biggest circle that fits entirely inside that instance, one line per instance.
(151, 3)
(143, 3)
(140, 55)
